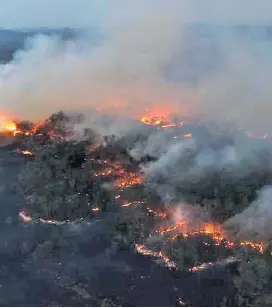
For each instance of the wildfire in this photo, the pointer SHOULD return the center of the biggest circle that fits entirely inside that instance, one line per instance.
(200, 267)
(10, 127)
(160, 122)
(24, 152)
(27, 218)
(207, 265)
(188, 136)
(7, 126)
(161, 258)
(180, 302)
(152, 120)
(254, 246)
(104, 173)
(155, 213)
(215, 232)
(127, 204)
(95, 209)
(123, 179)
(128, 179)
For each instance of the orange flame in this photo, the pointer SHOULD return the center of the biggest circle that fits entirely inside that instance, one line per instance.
(24, 152)
(10, 127)
(159, 255)
(215, 231)
(95, 209)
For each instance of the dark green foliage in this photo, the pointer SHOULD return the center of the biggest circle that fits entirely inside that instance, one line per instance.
(58, 183)
(131, 225)
(222, 193)
(253, 281)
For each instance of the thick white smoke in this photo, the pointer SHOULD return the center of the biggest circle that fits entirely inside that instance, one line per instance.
(148, 58)
(231, 72)
(124, 70)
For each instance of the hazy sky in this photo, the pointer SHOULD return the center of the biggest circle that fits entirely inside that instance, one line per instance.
(77, 13)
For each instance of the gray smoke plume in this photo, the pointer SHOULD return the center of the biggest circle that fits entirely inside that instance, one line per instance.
(256, 220)
(147, 57)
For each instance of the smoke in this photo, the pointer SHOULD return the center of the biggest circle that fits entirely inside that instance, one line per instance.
(256, 220)
(194, 216)
(123, 70)
(147, 58)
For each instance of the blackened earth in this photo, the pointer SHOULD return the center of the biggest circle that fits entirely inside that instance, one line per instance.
(81, 266)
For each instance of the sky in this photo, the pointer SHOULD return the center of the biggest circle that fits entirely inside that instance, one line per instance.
(231, 74)
(81, 13)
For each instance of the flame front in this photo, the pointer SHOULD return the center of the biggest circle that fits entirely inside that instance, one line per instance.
(214, 231)
(24, 152)
(158, 255)
(10, 127)
(122, 179)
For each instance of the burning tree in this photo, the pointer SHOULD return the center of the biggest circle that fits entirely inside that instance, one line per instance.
(71, 179)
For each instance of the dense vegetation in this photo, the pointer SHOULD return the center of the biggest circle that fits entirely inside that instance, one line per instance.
(61, 183)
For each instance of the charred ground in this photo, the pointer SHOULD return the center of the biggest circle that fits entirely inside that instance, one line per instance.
(88, 214)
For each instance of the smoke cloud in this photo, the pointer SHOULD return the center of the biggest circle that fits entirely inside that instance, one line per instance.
(147, 58)
(124, 70)
(255, 221)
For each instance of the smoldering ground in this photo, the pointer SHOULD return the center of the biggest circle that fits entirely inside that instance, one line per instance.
(218, 78)
(79, 264)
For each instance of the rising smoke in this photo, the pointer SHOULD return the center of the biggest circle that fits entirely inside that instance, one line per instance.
(229, 72)
(217, 76)
(255, 221)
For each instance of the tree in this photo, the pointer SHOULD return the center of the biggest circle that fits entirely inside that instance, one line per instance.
(59, 184)
(254, 276)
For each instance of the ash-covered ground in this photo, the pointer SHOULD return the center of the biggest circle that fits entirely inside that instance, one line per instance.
(128, 204)
(147, 215)
(84, 268)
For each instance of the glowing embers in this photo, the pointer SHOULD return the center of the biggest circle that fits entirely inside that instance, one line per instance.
(27, 218)
(201, 267)
(188, 136)
(153, 120)
(156, 213)
(161, 122)
(127, 204)
(121, 178)
(23, 152)
(159, 256)
(7, 126)
(214, 231)
(127, 179)
(10, 127)
(95, 209)
(255, 246)
(185, 136)
(204, 266)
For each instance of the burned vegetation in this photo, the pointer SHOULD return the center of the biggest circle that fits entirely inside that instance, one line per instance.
(68, 180)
